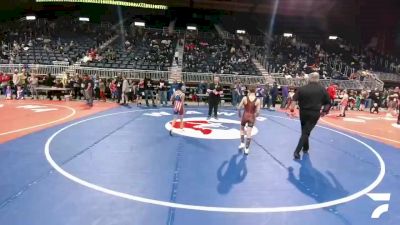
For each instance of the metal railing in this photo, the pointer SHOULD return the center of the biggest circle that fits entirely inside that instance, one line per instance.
(34, 68)
(343, 84)
(371, 80)
(187, 77)
(106, 73)
(390, 77)
(133, 74)
(190, 77)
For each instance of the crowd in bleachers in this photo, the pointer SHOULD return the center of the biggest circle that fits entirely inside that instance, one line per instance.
(211, 54)
(43, 42)
(142, 50)
(336, 59)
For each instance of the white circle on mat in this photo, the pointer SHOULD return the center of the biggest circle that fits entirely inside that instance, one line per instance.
(395, 125)
(354, 120)
(96, 187)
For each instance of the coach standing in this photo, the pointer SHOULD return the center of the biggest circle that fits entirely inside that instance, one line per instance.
(310, 98)
(214, 97)
(89, 85)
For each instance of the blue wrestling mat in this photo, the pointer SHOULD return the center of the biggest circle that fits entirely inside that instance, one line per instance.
(122, 167)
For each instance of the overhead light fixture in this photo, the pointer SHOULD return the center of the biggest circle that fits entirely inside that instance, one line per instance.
(30, 17)
(191, 28)
(287, 34)
(333, 37)
(113, 2)
(84, 19)
(240, 31)
(140, 24)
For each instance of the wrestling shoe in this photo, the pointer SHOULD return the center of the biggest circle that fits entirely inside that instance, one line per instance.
(296, 155)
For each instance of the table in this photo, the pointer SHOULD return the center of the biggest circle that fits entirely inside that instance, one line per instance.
(47, 89)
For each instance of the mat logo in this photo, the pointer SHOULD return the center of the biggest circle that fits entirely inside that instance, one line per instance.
(226, 113)
(200, 127)
(193, 113)
(157, 114)
(37, 108)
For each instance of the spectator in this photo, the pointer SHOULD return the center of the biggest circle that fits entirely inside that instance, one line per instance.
(274, 94)
(88, 88)
(260, 92)
(118, 82)
(393, 99)
(113, 90)
(140, 92)
(162, 88)
(236, 93)
(148, 91)
(58, 84)
(77, 84)
(201, 89)
(96, 88)
(8, 92)
(173, 88)
(267, 96)
(374, 96)
(102, 89)
(332, 93)
(4, 82)
(49, 82)
(34, 83)
(125, 91)
(285, 94)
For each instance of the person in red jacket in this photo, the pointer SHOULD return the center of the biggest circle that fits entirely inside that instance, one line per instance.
(332, 93)
(4, 82)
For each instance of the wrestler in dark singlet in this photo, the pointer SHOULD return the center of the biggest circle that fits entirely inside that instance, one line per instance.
(251, 105)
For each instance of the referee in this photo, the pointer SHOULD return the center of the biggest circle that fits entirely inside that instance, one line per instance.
(310, 98)
(214, 97)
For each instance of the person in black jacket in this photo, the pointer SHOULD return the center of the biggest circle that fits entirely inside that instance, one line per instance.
(274, 94)
(148, 91)
(118, 82)
(214, 97)
(374, 96)
(310, 98)
(49, 82)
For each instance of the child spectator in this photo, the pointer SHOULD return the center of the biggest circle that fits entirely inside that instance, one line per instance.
(20, 93)
(102, 89)
(113, 90)
(8, 93)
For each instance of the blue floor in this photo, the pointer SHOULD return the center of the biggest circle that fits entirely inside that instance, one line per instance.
(131, 152)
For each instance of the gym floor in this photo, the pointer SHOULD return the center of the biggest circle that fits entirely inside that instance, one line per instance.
(63, 163)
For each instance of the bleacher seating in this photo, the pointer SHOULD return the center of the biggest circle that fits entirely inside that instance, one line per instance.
(45, 42)
(210, 54)
(151, 51)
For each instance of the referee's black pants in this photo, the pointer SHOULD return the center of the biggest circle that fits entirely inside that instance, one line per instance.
(308, 120)
(213, 106)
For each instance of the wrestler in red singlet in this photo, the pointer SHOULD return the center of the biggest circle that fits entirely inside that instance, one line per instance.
(251, 106)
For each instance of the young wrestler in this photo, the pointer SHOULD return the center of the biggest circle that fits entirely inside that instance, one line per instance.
(251, 105)
(178, 101)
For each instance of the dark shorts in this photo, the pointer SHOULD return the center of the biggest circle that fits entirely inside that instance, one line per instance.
(248, 119)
